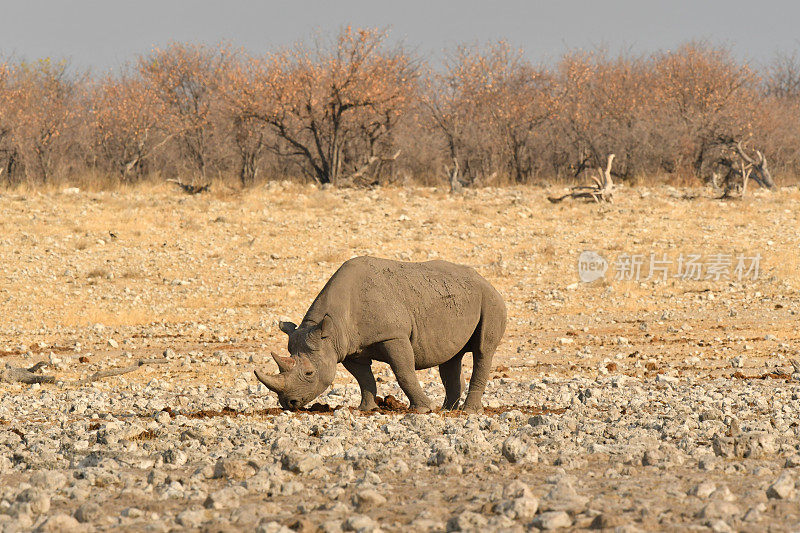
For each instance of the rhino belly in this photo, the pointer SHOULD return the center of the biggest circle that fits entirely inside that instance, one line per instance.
(437, 337)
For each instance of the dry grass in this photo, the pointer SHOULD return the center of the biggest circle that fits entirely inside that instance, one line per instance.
(98, 273)
(330, 255)
(82, 243)
(235, 262)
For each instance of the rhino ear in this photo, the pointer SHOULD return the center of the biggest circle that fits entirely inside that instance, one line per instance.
(287, 327)
(326, 327)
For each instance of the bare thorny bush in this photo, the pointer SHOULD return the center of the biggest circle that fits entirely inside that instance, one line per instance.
(355, 110)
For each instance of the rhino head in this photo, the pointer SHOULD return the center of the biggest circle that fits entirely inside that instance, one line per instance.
(309, 369)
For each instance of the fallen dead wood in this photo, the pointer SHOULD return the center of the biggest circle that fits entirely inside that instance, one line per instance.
(28, 376)
(775, 374)
(602, 190)
(368, 174)
(37, 367)
(734, 168)
(100, 374)
(25, 375)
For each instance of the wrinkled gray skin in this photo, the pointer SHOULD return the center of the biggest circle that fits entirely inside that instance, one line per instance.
(409, 315)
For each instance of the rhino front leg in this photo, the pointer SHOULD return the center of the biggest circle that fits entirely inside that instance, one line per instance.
(366, 380)
(453, 381)
(400, 356)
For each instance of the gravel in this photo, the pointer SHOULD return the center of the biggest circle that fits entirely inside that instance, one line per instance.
(646, 455)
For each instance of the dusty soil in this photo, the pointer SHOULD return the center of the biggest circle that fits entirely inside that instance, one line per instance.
(651, 404)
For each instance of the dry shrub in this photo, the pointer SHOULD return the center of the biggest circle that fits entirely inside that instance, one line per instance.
(98, 273)
(330, 255)
(353, 110)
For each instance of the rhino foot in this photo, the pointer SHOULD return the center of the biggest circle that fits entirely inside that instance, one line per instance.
(473, 409)
(421, 409)
(368, 405)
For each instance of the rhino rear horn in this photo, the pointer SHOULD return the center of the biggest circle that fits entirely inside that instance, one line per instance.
(284, 363)
(275, 383)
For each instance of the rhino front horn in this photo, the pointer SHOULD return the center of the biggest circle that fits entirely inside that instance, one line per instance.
(275, 383)
(284, 363)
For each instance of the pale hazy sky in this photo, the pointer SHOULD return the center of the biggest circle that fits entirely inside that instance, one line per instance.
(103, 34)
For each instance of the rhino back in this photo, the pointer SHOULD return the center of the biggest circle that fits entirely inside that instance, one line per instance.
(436, 304)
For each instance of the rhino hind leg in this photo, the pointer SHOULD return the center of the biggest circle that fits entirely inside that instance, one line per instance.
(400, 356)
(481, 369)
(366, 381)
(488, 334)
(453, 381)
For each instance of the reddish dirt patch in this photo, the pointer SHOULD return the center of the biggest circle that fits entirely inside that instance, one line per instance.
(318, 408)
(145, 435)
(387, 405)
(390, 403)
(768, 375)
(528, 410)
(37, 350)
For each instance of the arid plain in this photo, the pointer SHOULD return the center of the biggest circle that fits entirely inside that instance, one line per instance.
(632, 404)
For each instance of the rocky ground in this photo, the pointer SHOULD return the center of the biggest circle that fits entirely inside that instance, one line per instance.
(624, 405)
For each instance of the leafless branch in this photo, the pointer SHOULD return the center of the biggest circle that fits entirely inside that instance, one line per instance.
(602, 190)
(735, 167)
(119, 371)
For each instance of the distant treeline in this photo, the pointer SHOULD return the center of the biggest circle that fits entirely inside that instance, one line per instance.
(354, 109)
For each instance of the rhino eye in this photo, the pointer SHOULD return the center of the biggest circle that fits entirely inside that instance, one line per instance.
(309, 373)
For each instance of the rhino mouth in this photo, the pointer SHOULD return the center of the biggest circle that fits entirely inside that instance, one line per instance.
(292, 405)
